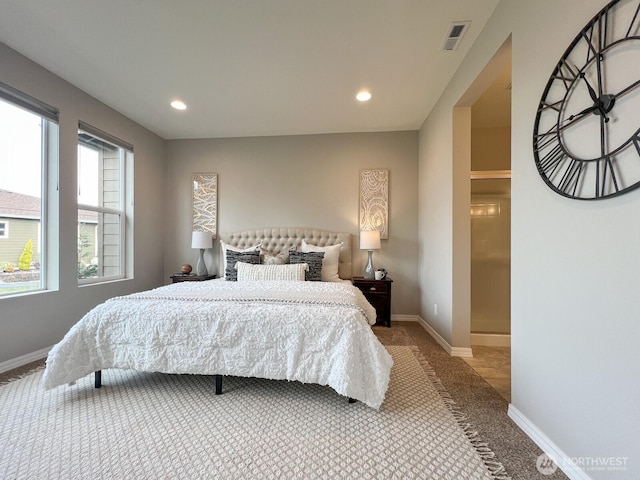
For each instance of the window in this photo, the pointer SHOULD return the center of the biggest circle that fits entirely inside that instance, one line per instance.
(104, 166)
(28, 147)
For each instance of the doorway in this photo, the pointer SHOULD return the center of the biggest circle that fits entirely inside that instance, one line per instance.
(490, 213)
(489, 220)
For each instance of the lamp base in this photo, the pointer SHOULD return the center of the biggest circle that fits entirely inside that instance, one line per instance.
(201, 268)
(369, 272)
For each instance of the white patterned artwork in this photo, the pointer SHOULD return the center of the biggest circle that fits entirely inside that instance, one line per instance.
(374, 201)
(205, 202)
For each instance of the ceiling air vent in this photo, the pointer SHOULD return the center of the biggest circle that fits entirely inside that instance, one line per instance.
(456, 32)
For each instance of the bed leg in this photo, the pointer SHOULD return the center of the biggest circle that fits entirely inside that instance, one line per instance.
(98, 378)
(352, 400)
(218, 384)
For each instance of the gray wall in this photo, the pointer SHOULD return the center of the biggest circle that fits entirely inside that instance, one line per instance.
(34, 322)
(300, 181)
(575, 302)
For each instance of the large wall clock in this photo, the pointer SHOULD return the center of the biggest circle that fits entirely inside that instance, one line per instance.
(586, 139)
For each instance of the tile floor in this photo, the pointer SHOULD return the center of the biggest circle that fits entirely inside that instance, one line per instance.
(494, 365)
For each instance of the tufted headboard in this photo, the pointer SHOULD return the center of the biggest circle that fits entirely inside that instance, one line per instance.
(278, 239)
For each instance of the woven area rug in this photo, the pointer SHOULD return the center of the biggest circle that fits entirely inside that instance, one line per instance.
(148, 425)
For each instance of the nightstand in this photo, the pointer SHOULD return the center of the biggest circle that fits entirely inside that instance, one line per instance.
(181, 277)
(378, 293)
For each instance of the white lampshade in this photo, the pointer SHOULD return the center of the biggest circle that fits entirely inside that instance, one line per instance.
(370, 240)
(201, 240)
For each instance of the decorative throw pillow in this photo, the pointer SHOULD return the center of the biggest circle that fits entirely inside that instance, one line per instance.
(329, 262)
(276, 273)
(269, 258)
(313, 260)
(230, 272)
(226, 246)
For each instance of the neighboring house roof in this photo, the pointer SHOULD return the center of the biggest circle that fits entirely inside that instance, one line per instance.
(19, 205)
(13, 204)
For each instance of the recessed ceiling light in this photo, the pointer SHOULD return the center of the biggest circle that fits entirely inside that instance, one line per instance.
(363, 96)
(179, 105)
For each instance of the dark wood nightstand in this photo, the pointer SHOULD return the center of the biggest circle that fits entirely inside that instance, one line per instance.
(181, 277)
(378, 293)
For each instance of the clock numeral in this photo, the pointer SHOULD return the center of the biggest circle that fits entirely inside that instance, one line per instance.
(550, 162)
(554, 106)
(635, 24)
(592, 50)
(571, 178)
(566, 73)
(605, 168)
(636, 141)
(544, 139)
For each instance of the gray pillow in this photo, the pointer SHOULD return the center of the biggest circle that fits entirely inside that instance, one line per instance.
(233, 257)
(313, 259)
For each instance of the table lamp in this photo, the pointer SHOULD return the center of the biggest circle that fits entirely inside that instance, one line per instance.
(201, 240)
(370, 241)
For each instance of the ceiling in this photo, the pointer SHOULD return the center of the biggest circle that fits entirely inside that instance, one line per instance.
(250, 67)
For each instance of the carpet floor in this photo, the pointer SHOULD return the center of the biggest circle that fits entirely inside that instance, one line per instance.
(149, 425)
(485, 408)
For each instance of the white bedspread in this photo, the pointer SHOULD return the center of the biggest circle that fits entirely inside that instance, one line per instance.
(312, 332)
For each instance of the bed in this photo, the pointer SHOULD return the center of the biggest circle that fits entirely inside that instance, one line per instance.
(280, 328)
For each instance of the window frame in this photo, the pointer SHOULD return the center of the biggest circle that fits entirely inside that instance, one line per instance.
(4, 229)
(49, 157)
(125, 173)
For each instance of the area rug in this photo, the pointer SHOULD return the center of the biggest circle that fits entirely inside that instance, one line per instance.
(150, 425)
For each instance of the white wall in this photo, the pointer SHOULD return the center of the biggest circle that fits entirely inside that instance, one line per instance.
(301, 181)
(33, 322)
(574, 264)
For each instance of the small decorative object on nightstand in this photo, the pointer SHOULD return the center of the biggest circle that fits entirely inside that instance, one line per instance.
(378, 293)
(189, 277)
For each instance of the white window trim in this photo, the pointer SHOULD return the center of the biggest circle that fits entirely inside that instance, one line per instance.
(49, 264)
(125, 237)
(4, 231)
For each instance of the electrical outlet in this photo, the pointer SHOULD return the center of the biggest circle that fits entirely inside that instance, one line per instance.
(435, 309)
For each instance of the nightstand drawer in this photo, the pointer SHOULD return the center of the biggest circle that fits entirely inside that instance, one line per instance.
(378, 294)
(378, 287)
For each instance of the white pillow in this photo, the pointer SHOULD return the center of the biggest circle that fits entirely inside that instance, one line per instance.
(275, 273)
(329, 262)
(226, 246)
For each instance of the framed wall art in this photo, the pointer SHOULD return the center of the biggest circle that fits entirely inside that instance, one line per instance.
(374, 201)
(205, 203)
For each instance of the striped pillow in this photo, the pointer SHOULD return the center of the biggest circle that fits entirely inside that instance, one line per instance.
(276, 273)
(313, 259)
(232, 257)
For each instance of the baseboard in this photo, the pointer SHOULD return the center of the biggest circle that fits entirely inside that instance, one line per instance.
(23, 360)
(464, 352)
(563, 461)
(491, 339)
(404, 318)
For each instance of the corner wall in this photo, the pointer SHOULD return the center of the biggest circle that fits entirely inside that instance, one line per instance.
(31, 323)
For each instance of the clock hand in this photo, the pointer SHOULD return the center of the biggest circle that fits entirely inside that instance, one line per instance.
(626, 90)
(592, 92)
(593, 108)
(599, 103)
